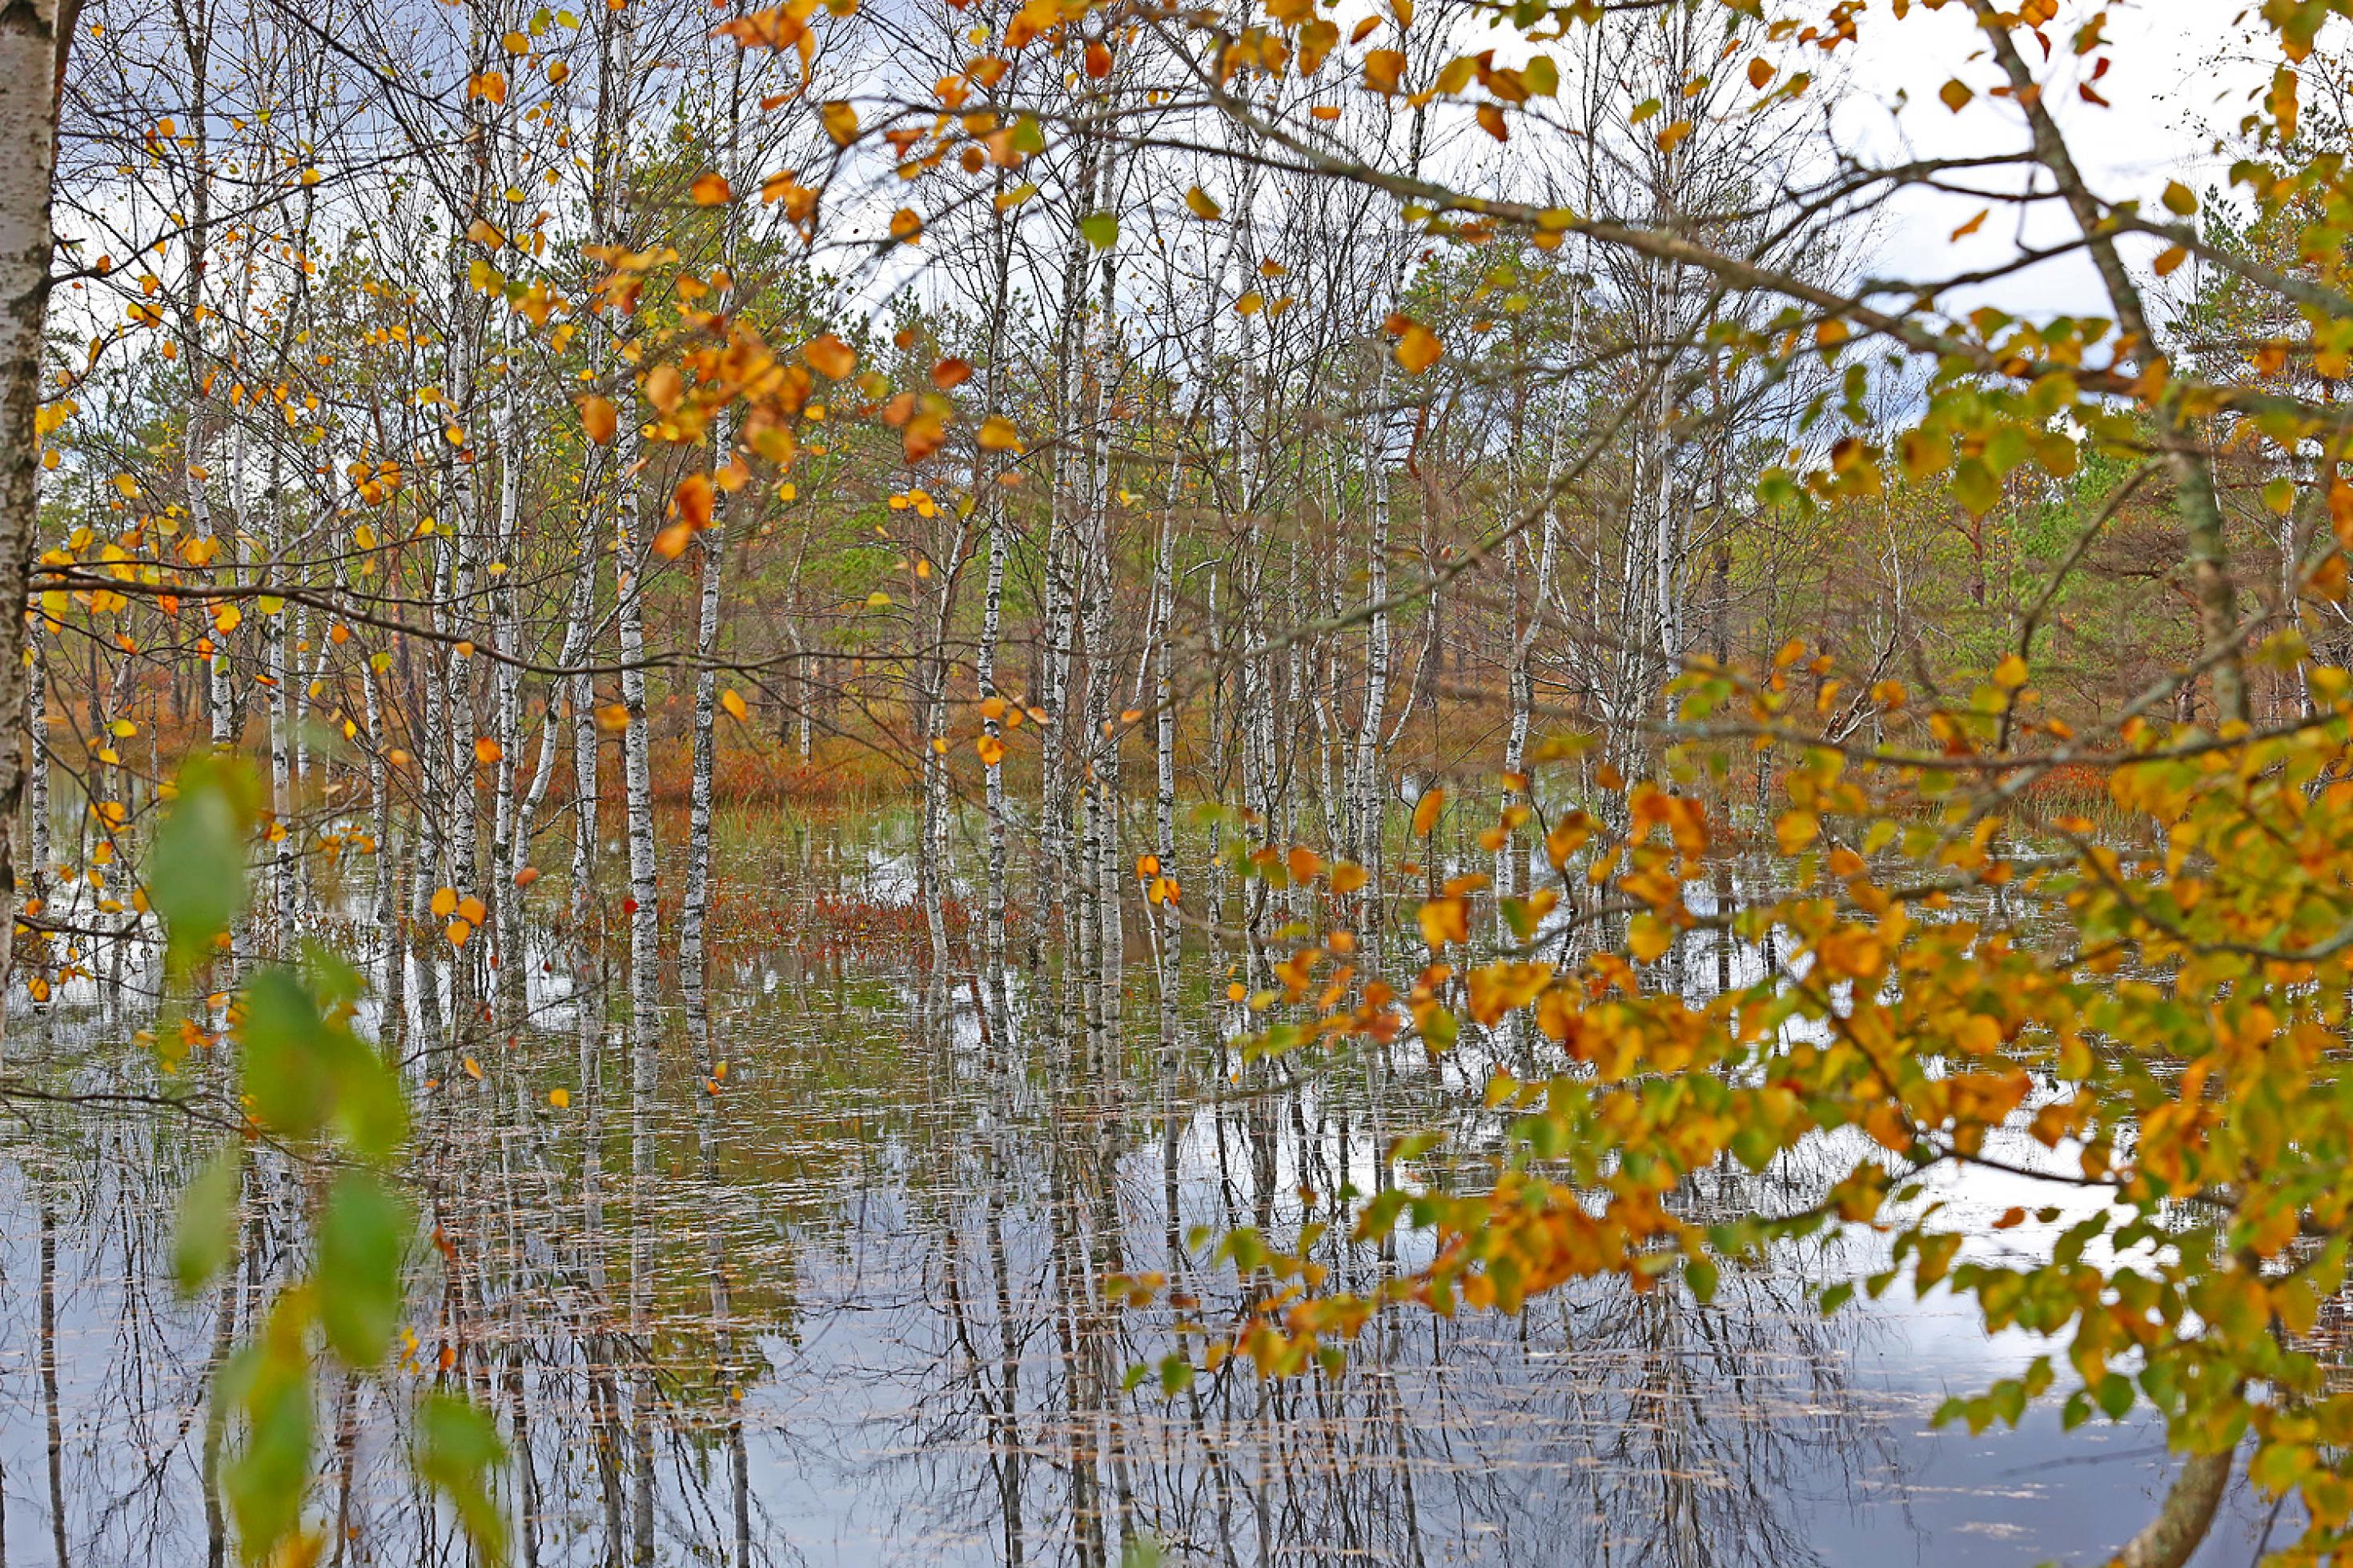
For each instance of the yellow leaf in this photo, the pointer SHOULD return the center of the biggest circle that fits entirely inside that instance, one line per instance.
(1956, 95)
(996, 434)
(1444, 920)
(1795, 830)
(470, 909)
(991, 749)
(841, 122)
(1648, 936)
(1347, 877)
(2010, 673)
(560, 1097)
(1417, 348)
(1197, 201)
(613, 717)
(445, 902)
(734, 703)
(458, 931)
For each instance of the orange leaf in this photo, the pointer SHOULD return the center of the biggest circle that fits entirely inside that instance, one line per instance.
(829, 356)
(487, 750)
(598, 419)
(710, 189)
(951, 373)
(1426, 812)
(693, 498)
(665, 387)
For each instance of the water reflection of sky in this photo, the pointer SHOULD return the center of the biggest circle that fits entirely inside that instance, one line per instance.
(918, 1222)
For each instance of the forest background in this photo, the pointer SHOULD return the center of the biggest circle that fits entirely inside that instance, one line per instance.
(1248, 486)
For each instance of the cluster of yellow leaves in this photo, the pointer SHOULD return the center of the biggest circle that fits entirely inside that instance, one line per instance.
(2162, 1007)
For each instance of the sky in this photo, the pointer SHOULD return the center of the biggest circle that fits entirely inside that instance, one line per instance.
(2182, 71)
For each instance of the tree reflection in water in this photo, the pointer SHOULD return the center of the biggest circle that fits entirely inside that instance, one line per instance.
(851, 1307)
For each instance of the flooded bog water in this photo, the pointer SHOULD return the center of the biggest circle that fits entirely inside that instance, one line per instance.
(851, 1308)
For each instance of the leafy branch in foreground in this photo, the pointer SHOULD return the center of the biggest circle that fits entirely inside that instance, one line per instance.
(314, 1089)
(2151, 1020)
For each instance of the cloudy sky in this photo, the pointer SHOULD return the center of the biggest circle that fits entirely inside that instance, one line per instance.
(2182, 72)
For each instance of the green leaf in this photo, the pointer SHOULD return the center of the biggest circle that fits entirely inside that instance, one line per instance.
(267, 1384)
(195, 872)
(206, 1237)
(1975, 487)
(1101, 230)
(363, 1236)
(2115, 1395)
(458, 1446)
(1700, 1276)
(1836, 1296)
(286, 1065)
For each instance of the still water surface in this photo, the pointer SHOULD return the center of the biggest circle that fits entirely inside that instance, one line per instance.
(858, 1318)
